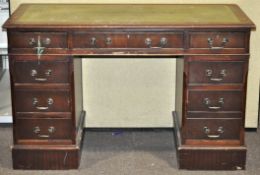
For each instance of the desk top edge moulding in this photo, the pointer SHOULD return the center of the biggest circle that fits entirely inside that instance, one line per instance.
(127, 15)
(210, 42)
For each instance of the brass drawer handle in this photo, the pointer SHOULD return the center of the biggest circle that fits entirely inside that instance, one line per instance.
(207, 102)
(223, 43)
(108, 41)
(32, 41)
(93, 41)
(42, 107)
(40, 79)
(37, 131)
(46, 41)
(207, 131)
(34, 73)
(222, 74)
(163, 42)
(35, 102)
(148, 42)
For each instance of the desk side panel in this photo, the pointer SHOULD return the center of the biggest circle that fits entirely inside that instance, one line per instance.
(179, 89)
(78, 96)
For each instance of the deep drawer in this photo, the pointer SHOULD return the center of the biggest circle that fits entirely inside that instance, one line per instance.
(218, 40)
(217, 72)
(33, 39)
(43, 129)
(215, 100)
(27, 69)
(31, 100)
(212, 129)
(99, 40)
(156, 40)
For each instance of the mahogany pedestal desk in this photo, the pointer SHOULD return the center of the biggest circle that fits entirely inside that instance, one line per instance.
(211, 47)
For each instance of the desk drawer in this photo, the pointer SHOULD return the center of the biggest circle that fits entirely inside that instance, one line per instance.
(218, 40)
(31, 39)
(213, 129)
(42, 100)
(217, 72)
(28, 70)
(99, 40)
(157, 40)
(43, 129)
(215, 100)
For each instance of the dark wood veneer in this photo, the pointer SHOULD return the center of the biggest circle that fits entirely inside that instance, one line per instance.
(212, 64)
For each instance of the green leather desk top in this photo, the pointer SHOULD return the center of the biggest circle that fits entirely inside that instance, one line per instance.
(116, 15)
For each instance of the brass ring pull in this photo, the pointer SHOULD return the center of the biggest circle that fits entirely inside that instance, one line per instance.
(207, 102)
(207, 131)
(223, 43)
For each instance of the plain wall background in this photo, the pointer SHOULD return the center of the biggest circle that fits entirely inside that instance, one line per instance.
(140, 92)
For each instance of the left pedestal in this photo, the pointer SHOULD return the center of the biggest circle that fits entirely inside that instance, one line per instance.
(48, 116)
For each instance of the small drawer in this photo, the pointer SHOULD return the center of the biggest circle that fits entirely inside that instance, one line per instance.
(43, 129)
(34, 39)
(42, 100)
(215, 100)
(217, 72)
(212, 129)
(99, 40)
(156, 40)
(47, 71)
(218, 40)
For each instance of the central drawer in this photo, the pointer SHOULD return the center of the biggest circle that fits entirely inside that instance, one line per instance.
(31, 100)
(128, 40)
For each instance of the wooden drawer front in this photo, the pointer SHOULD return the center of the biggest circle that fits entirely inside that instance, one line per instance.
(99, 40)
(45, 72)
(215, 72)
(214, 100)
(42, 101)
(34, 39)
(218, 40)
(157, 40)
(43, 129)
(212, 128)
